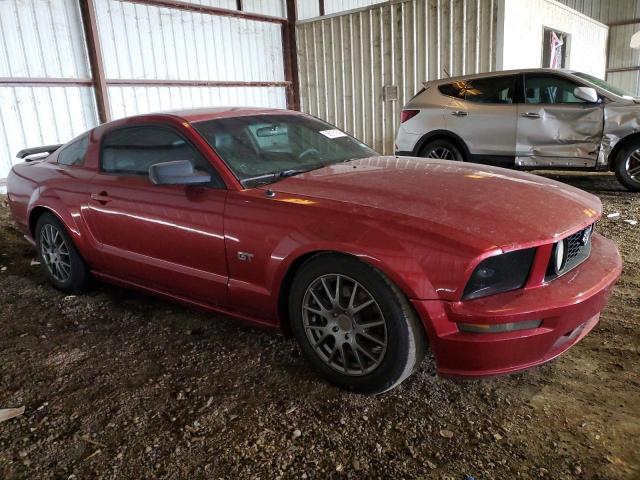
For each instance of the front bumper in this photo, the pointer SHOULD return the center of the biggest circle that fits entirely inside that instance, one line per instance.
(569, 308)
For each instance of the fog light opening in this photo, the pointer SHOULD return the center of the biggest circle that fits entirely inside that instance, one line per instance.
(499, 327)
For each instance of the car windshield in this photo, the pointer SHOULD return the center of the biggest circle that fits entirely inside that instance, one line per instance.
(262, 149)
(604, 85)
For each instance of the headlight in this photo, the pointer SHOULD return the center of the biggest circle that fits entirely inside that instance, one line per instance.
(500, 273)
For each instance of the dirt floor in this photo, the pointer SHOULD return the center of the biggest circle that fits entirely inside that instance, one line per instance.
(121, 385)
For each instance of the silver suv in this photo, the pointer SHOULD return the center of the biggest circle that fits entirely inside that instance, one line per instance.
(526, 119)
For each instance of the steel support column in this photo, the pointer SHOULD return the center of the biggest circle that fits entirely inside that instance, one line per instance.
(87, 7)
(290, 52)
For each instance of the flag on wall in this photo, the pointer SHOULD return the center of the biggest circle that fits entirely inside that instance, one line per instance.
(556, 43)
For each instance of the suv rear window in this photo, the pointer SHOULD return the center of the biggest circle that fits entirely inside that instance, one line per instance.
(482, 90)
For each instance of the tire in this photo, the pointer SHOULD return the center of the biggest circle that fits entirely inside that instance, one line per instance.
(389, 319)
(443, 149)
(64, 267)
(627, 167)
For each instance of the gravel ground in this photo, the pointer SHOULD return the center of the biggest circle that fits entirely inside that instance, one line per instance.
(121, 385)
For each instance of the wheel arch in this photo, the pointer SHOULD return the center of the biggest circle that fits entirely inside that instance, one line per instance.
(36, 213)
(297, 263)
(621, 145)
(442, 134)
(64, 216)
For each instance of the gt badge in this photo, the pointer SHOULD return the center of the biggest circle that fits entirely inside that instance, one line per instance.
(245, 256)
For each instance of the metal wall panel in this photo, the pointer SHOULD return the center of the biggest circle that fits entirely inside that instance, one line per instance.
(228, 4)
(308, 9)
(34, 116)
(628, 81)
(42, 38)
(606, 11)
(275, 8)
(621, 55)
(337, 6)
(128, 100)
(149, 42)
(345, 61)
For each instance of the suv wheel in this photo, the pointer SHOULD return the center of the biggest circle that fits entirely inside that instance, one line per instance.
(442, 149)
(627, 167)
(353, 325)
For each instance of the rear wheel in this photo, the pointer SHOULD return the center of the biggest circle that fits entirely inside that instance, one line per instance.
(627, 167)
(62, 263)
(442, 149)
(353, 325)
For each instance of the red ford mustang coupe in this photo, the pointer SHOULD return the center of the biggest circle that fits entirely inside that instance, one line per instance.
(283, 220)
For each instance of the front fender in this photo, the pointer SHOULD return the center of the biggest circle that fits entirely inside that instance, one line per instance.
(373, 246)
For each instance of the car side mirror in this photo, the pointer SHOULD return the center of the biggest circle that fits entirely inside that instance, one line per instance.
(587, 94)
(178, 172)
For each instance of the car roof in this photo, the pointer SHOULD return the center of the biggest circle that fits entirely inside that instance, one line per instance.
(500, 73)
(212, 113)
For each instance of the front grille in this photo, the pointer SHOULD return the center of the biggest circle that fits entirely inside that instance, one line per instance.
(577, 249)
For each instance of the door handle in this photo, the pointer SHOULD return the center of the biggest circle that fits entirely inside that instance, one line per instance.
(459, 113)
(102, 197)
(530, 115)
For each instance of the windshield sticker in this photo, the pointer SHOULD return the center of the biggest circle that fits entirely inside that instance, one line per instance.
(333, 133)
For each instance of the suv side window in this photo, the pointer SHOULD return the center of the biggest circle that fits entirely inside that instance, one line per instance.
(132, 150)
(497, 90)
(550, 89)
(73, 154)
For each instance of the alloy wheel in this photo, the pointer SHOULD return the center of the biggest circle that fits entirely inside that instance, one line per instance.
(55, 253)
(441, 153)
(632, 165)
(344, 324)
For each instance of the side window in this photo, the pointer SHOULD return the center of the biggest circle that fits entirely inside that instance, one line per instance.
(73, 154)
(550, 89)
(497, 90)
(132, 150)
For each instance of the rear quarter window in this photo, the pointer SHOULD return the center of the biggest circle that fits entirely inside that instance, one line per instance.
(491, 90)
(451, 90)
(74, 153)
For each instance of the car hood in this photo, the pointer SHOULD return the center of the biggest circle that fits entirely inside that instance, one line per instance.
(471, 202)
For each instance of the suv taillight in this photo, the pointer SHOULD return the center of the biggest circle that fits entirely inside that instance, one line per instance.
(408, 114)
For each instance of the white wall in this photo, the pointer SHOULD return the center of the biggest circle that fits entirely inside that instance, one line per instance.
(521, 36)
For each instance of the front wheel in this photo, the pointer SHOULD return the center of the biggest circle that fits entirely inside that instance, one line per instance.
(627, 167)
(353, 325)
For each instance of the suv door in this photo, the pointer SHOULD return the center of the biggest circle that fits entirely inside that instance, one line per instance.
(166, 237)
(482, 112)
(555, 128)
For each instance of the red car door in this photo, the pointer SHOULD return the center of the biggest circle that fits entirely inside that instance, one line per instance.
(166, 237)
